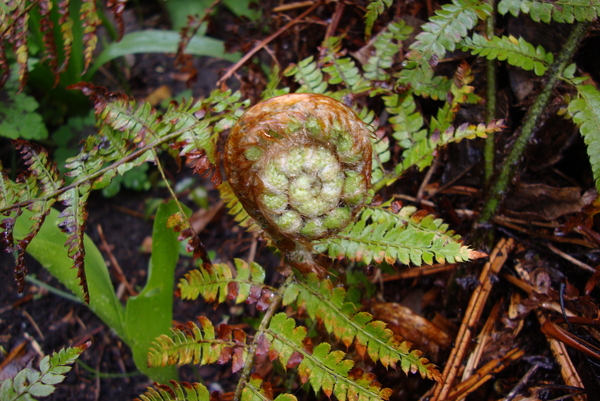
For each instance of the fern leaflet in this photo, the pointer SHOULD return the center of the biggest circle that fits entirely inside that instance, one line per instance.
(448, 26)
(324, 369)
(235, 207)
(216, 283)
(177, 391)
(257, 390)
(406, 236)
(517, 52)
(192, 344)
(419, 77)
(342, 69)
(308, 75)
(586, 112)
(563, 11)
(387, 45)
(374, 10)
(30, 383)
(324, 302)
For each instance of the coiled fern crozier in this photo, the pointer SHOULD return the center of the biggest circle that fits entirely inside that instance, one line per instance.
(300, 164)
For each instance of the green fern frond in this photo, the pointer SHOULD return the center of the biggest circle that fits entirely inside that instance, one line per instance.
(374, 10)
(407, 122)
(326, 303)
(563, 11)
(324, 369)
(387, 45)
(448, 26)
(381, 155)
(91, 20)
(200, 346)
(216, 283)
(419, 77)
(406, 237)
(257, 390)
(182, 391)
(585, 111)
(235, 207)
(342, 69)
(517, 52)
(29, 383)
(308, 74)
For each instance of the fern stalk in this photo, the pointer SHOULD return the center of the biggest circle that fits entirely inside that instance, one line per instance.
(531, 120)
(275, 304)
(490, 112)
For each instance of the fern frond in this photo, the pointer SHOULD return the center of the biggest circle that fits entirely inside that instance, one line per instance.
(326, 303)
(66, 30)
(406, 236)
(46, 29)
(89, 16)
(200, 345)
(308, 74)
(387, 45)
(448, 26)
(563, 11)
(342, 69)
(374, 10)
(585, 111)
(30, 383)
(419, 77)
(258, 390)
(517, 52)
(235, 207)
(216, 283)
(407, 122)
(324, 369)
(182, 391)
(381, 155)
(421, 154)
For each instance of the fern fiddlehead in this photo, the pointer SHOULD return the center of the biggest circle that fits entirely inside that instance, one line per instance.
(300, 164)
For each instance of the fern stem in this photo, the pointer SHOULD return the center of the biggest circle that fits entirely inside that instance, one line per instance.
(530, 121)
(490, 112)
(275, 304)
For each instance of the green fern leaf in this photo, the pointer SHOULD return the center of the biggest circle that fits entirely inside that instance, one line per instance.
(563, 11)
(324, 369)
(387, 45)
(448, 26)
(381, 155)
(29, 383)
(374, 10)
(406, 237)
(586, 113)
(182, 391)
(419, 77)
(257, 390)
(517, 52)
(200, 346)
(235, 207)
(407, 122)
(342, 69)
(308, 75)
(216, 283)
(326, 303)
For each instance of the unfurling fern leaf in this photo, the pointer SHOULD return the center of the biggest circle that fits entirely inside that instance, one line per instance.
(322, 301)
(449, 24)
(29, 383)
(181, 391)
(324, 369)
(586, 112)
(216, 283)
(200, 345)
(560, 11)
(404, 236)
(517, 52)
